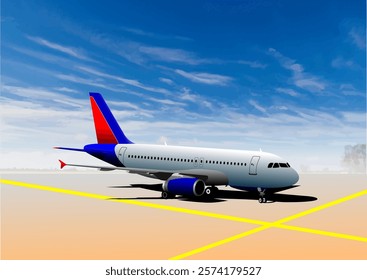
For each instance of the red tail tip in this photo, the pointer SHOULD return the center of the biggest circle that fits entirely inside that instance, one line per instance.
(62, 164)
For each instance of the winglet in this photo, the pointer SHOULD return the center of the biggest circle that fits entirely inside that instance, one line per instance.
(62, 164)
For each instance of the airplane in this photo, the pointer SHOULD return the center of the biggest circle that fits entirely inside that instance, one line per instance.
(186, 171)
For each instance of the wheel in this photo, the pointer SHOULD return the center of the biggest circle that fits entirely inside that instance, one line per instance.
(262, 200)
(168, 195)
(165, 195)
(208, 191)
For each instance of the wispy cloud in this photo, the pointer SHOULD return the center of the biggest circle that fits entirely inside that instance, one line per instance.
(166, 101)
(166, 81)
(92, 82)
(288, 91)
(130, 82)
(137, 52)
(350, 90)
(312, 84)
(64, 49)
(253, 64)
(340, 63)
(144, 33)
(187, 95)
(257, 106)
(171, 55)
(300, 78)
(42, 56)
(34, 93)
(358, 37)
(205, 78)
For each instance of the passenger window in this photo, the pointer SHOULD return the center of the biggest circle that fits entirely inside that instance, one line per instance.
(276, 165)
(270, 165)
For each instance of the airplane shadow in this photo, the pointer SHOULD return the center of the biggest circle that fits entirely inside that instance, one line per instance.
(220, 196)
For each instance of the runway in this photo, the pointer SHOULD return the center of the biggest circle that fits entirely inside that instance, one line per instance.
(116, 215)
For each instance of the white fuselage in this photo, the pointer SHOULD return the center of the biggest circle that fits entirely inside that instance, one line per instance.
(243, 169)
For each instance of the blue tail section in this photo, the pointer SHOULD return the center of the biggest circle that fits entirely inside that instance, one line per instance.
(105, 152)
(107, 129)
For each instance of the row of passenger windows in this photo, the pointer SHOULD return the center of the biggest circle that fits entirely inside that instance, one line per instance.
(188, 160)
(277, 165)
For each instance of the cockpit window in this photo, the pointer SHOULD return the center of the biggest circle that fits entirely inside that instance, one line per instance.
(277, 165)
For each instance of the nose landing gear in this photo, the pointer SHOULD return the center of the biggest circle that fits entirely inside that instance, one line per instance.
(262, 198)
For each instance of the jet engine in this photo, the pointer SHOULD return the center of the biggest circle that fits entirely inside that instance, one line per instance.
(187, 186)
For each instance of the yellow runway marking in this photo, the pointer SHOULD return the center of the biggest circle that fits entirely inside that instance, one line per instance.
(220, 242)
(322, 207)
(279, 224)
(263, 225)
(136, 202)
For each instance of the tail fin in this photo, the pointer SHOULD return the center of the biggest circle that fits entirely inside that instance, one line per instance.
(107, 129)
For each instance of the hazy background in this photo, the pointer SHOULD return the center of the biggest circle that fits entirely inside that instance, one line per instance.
(285, 76)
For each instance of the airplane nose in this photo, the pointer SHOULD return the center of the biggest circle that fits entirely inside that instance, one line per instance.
(294, 176)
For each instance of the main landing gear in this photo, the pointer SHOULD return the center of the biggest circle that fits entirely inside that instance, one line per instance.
(262, 198)
(211, 191)
(167, 195)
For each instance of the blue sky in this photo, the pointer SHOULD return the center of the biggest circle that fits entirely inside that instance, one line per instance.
(284, 76)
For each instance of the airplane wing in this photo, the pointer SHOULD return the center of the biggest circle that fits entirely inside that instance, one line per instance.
(210, 177)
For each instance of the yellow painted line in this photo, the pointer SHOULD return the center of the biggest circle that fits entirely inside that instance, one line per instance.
(136, 202)
(279, 224)
(53, 189)
(322, 232)
(220, 242)
(322, 207)
(263, 225)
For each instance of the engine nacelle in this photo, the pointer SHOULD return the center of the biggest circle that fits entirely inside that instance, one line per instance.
(188, 186)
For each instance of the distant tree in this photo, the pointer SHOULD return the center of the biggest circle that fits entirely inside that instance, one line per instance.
(355, 158)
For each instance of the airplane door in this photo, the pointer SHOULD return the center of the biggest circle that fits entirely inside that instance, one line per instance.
(253, 165)
(121, 154)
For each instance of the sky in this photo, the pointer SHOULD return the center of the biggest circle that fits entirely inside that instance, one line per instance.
(287, 77)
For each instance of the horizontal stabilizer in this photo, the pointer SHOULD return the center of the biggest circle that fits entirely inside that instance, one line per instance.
(62, 164)
(69, 149)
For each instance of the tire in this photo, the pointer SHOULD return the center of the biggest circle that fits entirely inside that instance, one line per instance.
(165, 195)
(208, 191)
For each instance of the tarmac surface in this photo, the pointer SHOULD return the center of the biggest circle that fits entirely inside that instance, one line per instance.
(116, 215)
